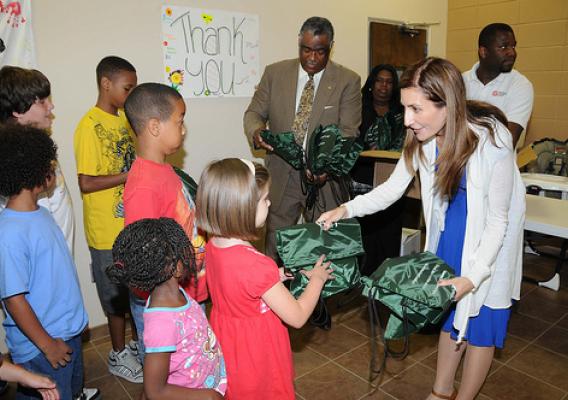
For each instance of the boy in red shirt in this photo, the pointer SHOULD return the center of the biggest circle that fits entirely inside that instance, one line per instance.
(153, 189)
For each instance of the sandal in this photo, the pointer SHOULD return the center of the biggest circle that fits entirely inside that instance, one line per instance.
(444, 396)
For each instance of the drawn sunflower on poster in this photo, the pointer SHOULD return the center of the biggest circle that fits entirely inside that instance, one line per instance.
(176, 78)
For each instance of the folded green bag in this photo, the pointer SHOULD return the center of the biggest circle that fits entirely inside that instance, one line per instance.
(285, 146)
(300, 246)
(408, 286)
(331, 153)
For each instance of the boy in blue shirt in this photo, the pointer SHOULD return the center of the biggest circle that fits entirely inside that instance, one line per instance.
(39, 287)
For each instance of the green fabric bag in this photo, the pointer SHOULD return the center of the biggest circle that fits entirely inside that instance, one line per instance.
(408, 287)
(329, 152)
(300, 246)
(187, 181)
(285, 146)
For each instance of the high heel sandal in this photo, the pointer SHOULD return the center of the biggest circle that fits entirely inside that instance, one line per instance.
(445, 397)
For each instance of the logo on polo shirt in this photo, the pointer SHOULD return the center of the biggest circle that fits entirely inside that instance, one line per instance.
(498, 93)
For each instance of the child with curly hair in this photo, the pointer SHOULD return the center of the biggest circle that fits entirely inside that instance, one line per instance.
(39, 287)
(183, 357)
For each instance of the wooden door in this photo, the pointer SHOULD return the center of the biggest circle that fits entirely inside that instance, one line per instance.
(397, 45)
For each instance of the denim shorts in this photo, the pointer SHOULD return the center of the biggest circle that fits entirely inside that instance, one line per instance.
(113, 297)
(69, 379)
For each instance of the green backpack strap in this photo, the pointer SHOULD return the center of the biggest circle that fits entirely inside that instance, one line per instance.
(187, 181)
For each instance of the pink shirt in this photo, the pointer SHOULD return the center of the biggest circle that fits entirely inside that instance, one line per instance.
(196, 359)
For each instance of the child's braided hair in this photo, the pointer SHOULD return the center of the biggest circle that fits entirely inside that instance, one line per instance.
(146, 254)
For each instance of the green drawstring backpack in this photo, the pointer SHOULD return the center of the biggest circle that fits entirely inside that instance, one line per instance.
(300, 246)
(285, 146)
(408, 286)
(187, 181)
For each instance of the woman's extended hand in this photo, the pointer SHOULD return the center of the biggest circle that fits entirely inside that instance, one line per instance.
(328, 218)
(462, 285)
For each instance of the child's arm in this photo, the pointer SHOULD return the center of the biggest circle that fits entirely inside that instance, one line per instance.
(296, 312)
(14, 373)
(56, 350)
(156, 386)
(89, 184)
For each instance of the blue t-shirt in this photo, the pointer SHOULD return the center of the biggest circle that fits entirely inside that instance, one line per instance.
(35, 261)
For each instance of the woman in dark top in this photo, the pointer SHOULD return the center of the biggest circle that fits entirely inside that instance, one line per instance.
(382, 128)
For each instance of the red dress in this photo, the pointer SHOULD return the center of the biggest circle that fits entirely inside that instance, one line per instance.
(254, 340)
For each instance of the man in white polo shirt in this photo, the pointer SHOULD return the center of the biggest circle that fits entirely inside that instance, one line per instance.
(494, 80)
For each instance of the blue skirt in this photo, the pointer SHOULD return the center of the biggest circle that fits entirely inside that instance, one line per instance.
(489, 328)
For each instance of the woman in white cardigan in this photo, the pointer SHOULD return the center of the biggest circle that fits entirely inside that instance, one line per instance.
(474, 204)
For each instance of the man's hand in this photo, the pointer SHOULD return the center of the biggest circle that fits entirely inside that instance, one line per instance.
(316, 179)
(58, 353)
(259, 143)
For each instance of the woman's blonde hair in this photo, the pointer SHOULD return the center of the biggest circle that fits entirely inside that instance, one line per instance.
(228, 196)
(441, 82)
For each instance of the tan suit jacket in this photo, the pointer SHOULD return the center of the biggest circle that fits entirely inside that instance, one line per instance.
(337, 101)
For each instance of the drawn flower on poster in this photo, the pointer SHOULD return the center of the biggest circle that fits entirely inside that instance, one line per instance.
(176, 78)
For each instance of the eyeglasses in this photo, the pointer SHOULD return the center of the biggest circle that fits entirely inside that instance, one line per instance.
(320, 51)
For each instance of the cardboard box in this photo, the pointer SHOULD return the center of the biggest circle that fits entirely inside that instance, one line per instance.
(409, 242)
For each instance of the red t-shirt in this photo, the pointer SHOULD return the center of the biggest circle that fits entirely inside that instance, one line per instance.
(154, 190)
(254, 340)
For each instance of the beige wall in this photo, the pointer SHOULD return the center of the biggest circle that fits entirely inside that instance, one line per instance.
(541, 29)
(72, 36)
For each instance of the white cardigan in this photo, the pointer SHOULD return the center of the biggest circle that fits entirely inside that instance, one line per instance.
(492, 251)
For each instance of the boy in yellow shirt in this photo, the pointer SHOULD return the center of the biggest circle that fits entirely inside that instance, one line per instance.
(104, 152)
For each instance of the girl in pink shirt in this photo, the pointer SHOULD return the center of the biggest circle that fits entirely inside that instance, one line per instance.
(183, 357)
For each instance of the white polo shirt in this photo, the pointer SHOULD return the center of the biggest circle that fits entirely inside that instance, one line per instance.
(511, 92)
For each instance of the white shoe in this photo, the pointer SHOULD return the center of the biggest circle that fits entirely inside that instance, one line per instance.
(132, 346)
(89, 394)
(125, 365)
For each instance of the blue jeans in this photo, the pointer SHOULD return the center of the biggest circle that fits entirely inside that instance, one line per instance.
(69, 379)
(137, 306)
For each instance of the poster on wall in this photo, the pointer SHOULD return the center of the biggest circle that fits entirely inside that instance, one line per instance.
(16, 35)
(210, 53)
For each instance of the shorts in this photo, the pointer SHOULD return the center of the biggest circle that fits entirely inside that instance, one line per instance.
(114, 298)
(69, 379)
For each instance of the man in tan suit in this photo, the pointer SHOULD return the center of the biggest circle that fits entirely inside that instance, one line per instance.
(299, 95)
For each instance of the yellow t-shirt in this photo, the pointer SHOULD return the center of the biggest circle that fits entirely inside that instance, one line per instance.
(103, 146)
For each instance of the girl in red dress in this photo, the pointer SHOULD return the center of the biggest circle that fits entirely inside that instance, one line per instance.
(250, 303)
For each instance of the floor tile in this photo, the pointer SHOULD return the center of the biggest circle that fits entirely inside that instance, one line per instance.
(306, 360)
(133, 389)
(543, 364)
(526, 327)
(533, 305)
(358, 362)
(555, 339)
(414, 383)
(378, 394)
(335, 342)
(331, 382)
(563, 323)
(94, 366)
(513, 345)
(110, 388)
(559, 297)
(359, 321)
(509, 384)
